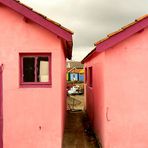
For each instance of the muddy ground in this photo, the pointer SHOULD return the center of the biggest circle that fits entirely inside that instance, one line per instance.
(78, 132)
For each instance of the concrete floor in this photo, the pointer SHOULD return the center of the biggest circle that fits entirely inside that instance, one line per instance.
(77, 131)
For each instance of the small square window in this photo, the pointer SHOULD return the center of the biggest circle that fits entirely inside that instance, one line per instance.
(35, 69)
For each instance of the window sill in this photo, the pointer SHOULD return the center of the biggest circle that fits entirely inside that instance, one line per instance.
(36, 85)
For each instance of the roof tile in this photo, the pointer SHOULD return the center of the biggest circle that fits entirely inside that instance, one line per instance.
(114, 33)
(102, 40)
(142, 17)
(128, 25)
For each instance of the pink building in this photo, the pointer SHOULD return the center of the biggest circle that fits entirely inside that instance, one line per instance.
(33, 52)
(116, 87)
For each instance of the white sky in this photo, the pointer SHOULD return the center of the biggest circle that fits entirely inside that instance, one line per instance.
(90, 20)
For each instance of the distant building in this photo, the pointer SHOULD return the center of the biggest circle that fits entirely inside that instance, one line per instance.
(74, 64)
(75, 71)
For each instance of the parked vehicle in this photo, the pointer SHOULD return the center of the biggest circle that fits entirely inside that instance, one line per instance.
(75, 90)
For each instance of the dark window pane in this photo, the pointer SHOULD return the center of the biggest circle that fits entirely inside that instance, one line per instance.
(28, 69)
(90, 77)
(42, 69)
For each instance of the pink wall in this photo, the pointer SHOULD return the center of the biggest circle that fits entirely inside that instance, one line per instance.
(1, 106)
(126, 93)
(95, 95)
(63, 92)
(125, 96)
(27, 109)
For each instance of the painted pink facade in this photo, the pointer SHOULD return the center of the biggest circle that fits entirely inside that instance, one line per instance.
(33, 117)
(1, 107)
(117, 102)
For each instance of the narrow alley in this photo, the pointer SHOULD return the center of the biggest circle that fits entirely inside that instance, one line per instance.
(78, 132)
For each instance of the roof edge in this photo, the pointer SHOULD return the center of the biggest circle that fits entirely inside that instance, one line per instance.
(122, 29)
(38, 18)
(88, 55)
(119, 35)
(124, 33)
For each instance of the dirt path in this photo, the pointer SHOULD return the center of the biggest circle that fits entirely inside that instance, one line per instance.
(76, 102)
(77, 134)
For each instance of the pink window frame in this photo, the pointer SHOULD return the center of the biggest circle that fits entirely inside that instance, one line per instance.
(34, 84)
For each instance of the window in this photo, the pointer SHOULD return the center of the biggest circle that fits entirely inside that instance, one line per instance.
(35, 68)
(90, 76)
